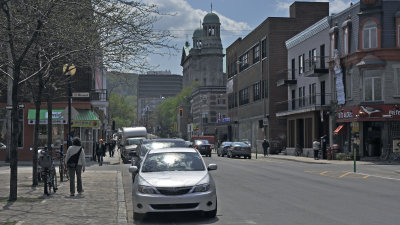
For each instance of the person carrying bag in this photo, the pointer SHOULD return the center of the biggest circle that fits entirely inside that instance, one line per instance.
(75, 160)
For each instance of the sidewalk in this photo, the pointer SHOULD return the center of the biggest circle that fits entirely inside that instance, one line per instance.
(101, 203)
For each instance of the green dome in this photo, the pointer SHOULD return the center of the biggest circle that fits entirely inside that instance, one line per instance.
(211, 18)
(198, 33)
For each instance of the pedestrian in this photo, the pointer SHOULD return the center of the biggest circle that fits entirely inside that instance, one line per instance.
(75, 160)
(265, 146)
(316, 147)
(113, 143)
(100, 151)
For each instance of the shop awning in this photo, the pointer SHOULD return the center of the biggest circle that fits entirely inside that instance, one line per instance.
(57, 117)
(86, 118)
(338, 129)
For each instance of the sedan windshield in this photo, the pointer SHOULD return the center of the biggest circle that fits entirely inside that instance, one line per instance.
(173, 161)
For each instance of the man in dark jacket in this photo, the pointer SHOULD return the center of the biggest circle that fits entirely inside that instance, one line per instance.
(265, 146)
(100, 151)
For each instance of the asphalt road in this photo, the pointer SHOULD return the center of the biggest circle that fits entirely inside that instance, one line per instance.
(269, 191)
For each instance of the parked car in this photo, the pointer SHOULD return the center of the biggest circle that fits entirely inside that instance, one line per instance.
(130, 148)
(203, 146)
(173, 180)
(223, 148)
(239, 149)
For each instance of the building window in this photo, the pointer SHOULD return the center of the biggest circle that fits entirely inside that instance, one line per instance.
(370, 36)
(313, 94)
(264, 89)
(264, 48)
(398, 34)
(244, 61)
(293, 69)
(256, 54)
(3, 126)
(302, 96)
(244, 96)
(333, 44)
(346, 40)
(257, 91)
(372, 85)
(397, 75)
(301, 64)
(348, 84)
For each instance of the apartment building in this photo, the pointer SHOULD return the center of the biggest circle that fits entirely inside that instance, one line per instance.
(309, 88)
(255, 64)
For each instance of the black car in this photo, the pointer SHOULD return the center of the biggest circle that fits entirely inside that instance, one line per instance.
(223, 148)
(203, 147)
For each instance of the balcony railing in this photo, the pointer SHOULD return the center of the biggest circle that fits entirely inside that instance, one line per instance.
(99, 95)
(316, 66)
(303, 103)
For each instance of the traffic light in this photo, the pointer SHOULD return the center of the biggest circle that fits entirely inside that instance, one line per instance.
(181, 112)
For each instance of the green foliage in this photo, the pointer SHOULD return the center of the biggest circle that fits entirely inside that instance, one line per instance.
(121, 112)
(166, 113)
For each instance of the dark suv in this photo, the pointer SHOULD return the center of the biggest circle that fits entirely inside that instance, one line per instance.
(203, 147)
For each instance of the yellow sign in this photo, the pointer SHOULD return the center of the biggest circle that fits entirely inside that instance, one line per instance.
(355, 127)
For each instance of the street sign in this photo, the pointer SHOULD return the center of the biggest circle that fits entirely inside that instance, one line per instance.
(80, 95)
(21, 106)
(9, 107)
(265, 122)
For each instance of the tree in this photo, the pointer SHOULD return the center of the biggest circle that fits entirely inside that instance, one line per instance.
(166, 113)
(122, 113)
(115, 33)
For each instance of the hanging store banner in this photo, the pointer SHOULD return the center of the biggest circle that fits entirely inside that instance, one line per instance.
(339, 80)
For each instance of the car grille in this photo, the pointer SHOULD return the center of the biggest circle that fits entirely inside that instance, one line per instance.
(175, 206)
(174, 191)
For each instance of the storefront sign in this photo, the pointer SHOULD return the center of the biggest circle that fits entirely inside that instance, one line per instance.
(368, 113)
(396, 145)
(83, 123)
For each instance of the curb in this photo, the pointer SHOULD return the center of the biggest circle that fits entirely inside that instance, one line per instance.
(122, 216)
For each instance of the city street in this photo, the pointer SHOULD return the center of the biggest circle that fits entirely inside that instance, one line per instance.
(272, 190)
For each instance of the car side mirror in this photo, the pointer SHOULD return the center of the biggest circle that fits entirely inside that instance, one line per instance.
(212, 167)
(133, 169)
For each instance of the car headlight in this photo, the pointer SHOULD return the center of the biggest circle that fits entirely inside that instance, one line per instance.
(202, 188)
(146, 189)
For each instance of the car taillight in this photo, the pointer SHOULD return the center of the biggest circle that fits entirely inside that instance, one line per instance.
(195, 146)
(235, 148)
(210, 147)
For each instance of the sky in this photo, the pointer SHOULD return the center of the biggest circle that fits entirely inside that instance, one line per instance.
(238, 18)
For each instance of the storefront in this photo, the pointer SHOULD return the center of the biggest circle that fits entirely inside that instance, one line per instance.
(59, 124)
(85, 125)
(368, 129)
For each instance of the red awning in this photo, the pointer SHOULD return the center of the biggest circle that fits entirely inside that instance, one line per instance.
(338, 129)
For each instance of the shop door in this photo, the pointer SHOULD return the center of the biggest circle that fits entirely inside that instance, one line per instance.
(372, 139)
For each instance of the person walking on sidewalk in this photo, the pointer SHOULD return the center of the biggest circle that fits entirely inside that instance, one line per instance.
(265, 146)
(75, 160)
(316, 147)
(100, 151)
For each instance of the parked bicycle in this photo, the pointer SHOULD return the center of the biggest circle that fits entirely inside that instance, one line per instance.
(62, 167)
(48, 171)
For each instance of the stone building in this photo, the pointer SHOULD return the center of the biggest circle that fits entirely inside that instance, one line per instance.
(203, 64)
(366, 41)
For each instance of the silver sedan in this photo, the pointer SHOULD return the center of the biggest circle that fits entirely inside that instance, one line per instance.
(173, 180)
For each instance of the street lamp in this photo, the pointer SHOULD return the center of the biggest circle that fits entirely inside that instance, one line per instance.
(69, 70)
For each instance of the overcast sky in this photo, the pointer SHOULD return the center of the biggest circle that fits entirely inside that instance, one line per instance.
(237, 18)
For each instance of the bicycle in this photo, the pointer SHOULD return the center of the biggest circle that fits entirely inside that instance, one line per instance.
(62, 168)
(48, 172)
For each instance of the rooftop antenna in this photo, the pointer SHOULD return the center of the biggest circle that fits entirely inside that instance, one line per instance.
(211, 6)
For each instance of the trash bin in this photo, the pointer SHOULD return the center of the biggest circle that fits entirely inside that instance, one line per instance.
(335, 149)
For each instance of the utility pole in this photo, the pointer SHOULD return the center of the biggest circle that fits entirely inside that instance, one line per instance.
(9, 100)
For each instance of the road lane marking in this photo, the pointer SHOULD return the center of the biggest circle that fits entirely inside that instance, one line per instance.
(365, 177)
(323, 173)
(343, 175)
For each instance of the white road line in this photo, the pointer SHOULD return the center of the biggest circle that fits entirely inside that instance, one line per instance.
(382, 177)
